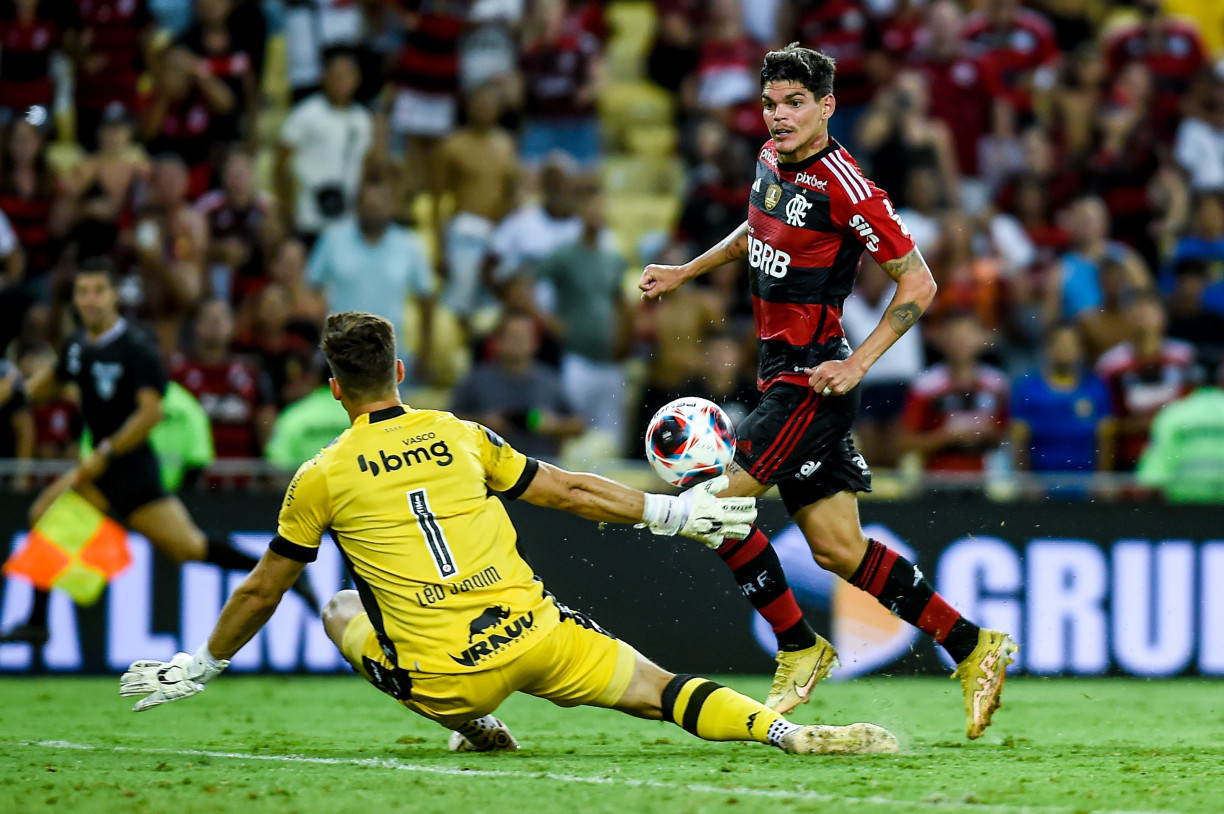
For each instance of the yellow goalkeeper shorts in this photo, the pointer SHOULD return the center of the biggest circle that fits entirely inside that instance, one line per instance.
(576, 664)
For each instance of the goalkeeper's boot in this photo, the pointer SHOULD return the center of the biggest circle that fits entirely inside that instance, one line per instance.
(487, 734)
(797, 673)
(981, 676)
(855, 739)
(27, 633)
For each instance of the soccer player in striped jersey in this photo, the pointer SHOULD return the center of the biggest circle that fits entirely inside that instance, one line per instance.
(810, 216)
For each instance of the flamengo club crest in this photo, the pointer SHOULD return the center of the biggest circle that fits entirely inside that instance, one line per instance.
(773, 194)
(796, 210)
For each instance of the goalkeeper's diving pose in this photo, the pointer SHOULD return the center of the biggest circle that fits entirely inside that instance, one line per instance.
(447, 618)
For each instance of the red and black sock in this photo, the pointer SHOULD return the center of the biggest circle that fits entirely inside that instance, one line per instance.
(759, 574)
(900, 586)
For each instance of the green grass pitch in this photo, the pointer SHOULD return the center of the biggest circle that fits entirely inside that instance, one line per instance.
(335, 745)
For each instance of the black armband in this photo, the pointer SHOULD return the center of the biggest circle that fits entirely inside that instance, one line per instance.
(293, 551)
(525, 479)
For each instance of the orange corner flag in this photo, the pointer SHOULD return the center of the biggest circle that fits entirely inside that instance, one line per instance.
(73, 547)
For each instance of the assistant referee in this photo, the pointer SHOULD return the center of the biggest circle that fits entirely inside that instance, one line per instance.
(121, 380)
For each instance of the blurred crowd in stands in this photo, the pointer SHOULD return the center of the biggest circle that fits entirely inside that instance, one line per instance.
(491, 175)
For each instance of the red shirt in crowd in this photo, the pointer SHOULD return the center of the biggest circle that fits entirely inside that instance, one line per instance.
(1174, 55)
(56, 426)
(962, 92)
(112, 30)
(29, 216)
(840, 29)
(226, 221)
(936, 402)
(1140, 386)
(728, 70)
(428, 61)
(26, 48)
(188, 130)
(1013, 51)
(554, 72)
(231, 393)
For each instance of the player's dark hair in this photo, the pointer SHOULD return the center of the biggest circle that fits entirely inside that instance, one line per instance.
(98, 265)
(360, 349)
(794, 63)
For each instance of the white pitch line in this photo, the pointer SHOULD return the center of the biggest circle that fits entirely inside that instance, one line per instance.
(501, 774)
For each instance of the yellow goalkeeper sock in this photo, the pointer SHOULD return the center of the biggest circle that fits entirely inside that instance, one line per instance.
(717, 713)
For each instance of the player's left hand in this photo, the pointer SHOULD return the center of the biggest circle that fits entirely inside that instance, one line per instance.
(835, 377)
(164, 681)
(712, 519)
(699, 514)
(657, 280)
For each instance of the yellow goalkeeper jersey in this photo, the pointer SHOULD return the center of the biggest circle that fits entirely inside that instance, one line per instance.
(407, 496)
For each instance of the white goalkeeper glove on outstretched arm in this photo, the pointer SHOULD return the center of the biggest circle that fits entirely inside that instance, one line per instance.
(698, 514)
(164, 681)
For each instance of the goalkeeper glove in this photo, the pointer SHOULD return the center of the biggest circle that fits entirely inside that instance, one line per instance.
(698, 514)
(162, 682)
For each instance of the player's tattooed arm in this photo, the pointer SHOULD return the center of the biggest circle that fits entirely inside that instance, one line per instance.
(915, 290)
(902, 318)
(914, 294)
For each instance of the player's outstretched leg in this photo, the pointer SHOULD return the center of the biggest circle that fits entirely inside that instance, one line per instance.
(804, 658)
(716, 713)
(981, 655)
(832, 529)
(486, 734)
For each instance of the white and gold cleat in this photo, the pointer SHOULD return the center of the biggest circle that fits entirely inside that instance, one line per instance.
(981, 676)
(798, 672)
(855, 739)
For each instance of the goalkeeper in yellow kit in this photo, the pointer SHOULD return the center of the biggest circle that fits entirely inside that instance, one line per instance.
(447, 618)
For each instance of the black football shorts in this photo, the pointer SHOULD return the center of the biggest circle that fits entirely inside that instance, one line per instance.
(131, 481)
(800, 440)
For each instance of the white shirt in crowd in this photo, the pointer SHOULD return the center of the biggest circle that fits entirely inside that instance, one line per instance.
(529, 233)
(313, 26)
(1199, 149)
(329, 145)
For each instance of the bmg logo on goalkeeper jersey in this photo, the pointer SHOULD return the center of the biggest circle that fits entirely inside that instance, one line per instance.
(438, 452)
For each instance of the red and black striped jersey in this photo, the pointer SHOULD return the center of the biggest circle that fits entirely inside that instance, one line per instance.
(1140, 386)
(26, 48)
(808, 223)
(429, 57)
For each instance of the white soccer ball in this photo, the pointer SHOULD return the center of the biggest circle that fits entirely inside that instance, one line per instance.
(690, 440)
